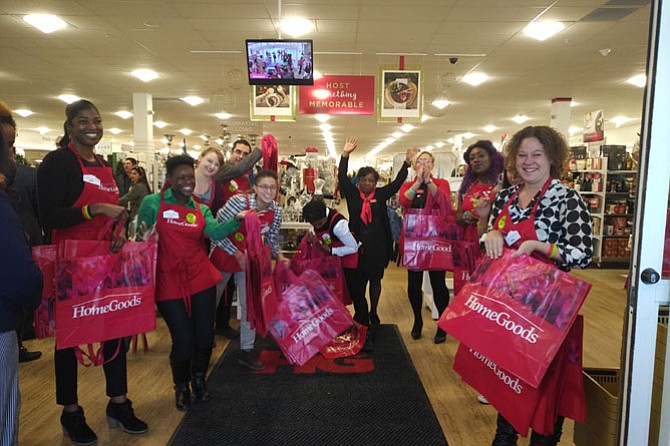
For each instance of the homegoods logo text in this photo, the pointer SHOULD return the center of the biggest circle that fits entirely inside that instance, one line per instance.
(312, 325)
(117, 303)
(502, 318)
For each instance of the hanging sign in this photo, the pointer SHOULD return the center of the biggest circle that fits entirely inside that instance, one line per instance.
(594, 126)
(400, 94)
(339, 95)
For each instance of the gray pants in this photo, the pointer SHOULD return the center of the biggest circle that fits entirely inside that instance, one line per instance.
(247, 335)
(10, 397)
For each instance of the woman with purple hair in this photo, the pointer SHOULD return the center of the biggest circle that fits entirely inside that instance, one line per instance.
(481, 182)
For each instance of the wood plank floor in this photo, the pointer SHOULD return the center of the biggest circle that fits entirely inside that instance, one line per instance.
(464, 421)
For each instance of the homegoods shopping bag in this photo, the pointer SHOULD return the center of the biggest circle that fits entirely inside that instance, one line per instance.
(516, 311)
(102, 295)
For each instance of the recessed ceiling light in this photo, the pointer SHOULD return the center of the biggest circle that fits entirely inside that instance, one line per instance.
(160, 124)
(325, 126)
(197, 147)
(322, 117)
(185, 132)
(397, 135)
(407, 128)
(475, 79)
(296, 26)
(47, 23)
(424, 118)
(193, 100)
(428, 147)
(317, 75)
(145, 75)
(543, 30)
(219, 141)
(441, 103)
(467, 135)
(223, 116)
(520, 119)
(68, 98)
(619, 120)
(439, 144)
(490, 128)
(23, 112)
(574, 104)
(42, 130)
(204, 137)
(639, 80)
(574, 129)
(114, 131)
(123, 114)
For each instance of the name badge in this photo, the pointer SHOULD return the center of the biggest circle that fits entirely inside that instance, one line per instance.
(170, 214)
(512, 237)
(91, 179)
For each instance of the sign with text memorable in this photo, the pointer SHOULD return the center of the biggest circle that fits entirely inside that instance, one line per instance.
(339, 95)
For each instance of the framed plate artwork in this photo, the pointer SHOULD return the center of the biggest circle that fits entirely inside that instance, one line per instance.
(400, 94)
(278, 101)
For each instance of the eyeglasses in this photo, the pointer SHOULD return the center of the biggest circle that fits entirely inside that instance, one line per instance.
(267, 187)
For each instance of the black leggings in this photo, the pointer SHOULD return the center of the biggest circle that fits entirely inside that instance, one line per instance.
(356, 287)
(194, 332)
(65, 363)
(440, 292)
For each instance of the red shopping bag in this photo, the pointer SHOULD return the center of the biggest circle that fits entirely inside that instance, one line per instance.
(45, 257)
(308, 316)
(561, 392)
(516, 312)
(428, 239)
(102, 295)
(329, 268)
(347, 343)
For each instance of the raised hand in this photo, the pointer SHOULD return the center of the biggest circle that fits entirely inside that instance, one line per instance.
(350, 145)
(411, 153)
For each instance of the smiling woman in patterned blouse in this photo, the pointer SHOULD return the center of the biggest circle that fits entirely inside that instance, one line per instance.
(541, 217)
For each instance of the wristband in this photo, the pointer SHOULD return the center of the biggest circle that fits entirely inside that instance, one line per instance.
(553, 249)
(465, 215)
(86, 213)
(412, 191)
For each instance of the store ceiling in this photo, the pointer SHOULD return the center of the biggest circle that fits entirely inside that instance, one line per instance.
(107, 39)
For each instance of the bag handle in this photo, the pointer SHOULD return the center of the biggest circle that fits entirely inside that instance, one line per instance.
(96, 357)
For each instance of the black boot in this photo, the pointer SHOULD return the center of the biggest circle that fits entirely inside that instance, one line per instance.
(180, 377)
(548, 440)
(505, 433)
(122, 414)
(76, 429)
(198, 371)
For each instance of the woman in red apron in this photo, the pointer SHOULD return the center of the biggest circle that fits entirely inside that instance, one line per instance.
(229, 254)
(481, 182)
(541, 217)
(185, 278)
(429, 193)
(77, 196)
(332, 235)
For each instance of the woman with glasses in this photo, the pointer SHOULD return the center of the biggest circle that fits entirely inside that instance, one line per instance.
(231, 257)
(426, 192)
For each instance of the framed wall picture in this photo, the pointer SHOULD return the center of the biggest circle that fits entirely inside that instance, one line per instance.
(400, 94)
(280, 101)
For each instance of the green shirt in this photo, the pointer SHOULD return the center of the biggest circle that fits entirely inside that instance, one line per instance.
(148, 214)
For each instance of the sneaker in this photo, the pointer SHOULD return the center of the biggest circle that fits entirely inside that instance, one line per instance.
(26, 356)
(482, 400)
(76, 429)
(249, 358)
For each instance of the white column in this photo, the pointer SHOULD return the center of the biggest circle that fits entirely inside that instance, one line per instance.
(143, 131)
(561, 115)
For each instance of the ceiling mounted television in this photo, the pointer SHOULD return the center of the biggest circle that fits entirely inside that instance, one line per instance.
(280, 62)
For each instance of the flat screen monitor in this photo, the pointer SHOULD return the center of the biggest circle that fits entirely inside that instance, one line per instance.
(280, 62)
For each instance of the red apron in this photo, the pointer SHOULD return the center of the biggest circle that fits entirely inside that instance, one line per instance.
(476, 191)
(525, 228)
(239, 185)
(228, 263)
(183, 268)
(99, 187)
(349, 261)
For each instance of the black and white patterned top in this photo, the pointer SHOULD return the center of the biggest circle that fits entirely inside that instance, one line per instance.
(561, 218)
